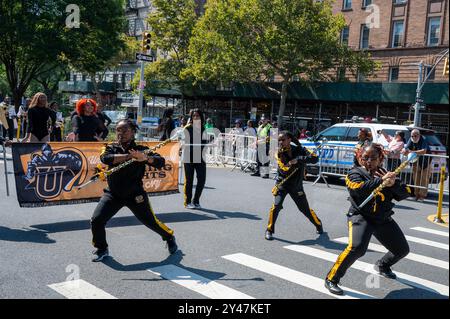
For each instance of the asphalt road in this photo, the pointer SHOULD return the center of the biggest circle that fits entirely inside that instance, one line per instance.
(223, 253)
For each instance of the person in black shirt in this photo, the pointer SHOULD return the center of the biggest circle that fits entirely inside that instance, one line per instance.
(167, 125)
(103, 118)
(86, 125)
(291, 158)
(375, 218)
(40, 119)
(193, 160)
(125, 188)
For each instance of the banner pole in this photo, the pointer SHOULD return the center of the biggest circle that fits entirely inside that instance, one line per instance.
(6, 169)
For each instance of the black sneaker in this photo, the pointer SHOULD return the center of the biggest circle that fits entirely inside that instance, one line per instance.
(265, 176)
(100, 254)
(172, 245)
(319, 229)
(269, 235)
(255, 174)
(385, 272)
(333, 287)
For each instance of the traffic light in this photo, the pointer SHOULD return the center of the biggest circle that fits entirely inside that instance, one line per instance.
(146, 40)
(445, 73)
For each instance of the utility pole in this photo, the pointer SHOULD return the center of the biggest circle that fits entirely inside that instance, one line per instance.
(146, 41)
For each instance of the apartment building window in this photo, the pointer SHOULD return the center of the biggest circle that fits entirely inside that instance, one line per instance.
(345, 35)
(400, 1)
(360, 77)
(347, 5)
(366, 3)
(430, 73)
(124, 80)
(115, 78)
(341, 74)
(83, 77)
(74, 77)
(434, 31)
(364, 37)
(397, 33)
(393, 73)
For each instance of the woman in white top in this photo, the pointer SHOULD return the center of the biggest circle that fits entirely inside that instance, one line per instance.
(393, 152)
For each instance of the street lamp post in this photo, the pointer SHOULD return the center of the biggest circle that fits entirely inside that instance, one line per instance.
(418, 94)
(141, 101)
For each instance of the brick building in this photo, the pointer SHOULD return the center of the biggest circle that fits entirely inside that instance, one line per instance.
(397, 33)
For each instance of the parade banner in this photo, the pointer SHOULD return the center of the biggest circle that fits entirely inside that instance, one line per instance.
(50, 173)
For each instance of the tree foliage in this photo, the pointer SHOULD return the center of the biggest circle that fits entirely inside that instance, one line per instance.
(255, 40)
(35, 37)
(171, 25)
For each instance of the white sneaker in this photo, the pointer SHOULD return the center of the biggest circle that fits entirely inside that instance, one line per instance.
(190, 206)
(197, 206)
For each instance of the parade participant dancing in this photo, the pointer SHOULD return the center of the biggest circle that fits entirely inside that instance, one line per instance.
(291, 158)
(125, 188)
(373, 218)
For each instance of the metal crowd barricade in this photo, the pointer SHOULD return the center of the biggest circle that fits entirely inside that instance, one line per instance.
(234, 149)
(336, 160)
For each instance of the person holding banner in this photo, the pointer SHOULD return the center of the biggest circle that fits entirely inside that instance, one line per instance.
(39, 116)
(291, 158)
(125, 188)
(87, 127)
(375, 218)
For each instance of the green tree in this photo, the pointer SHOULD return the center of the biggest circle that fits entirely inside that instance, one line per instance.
(171, 25)
(35, 37)
(255, 40)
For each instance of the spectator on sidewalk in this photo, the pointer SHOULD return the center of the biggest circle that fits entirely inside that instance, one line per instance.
(104, 119)
(87, 127)
(394, 149)
(10, 115)
(364, 139)
(40, 119)
(421, 169)
(167, 125)
(22, 114)
(56, 131)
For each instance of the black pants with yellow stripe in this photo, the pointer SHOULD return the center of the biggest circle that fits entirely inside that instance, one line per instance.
(361, 230)
(109, 205)
(299, 197)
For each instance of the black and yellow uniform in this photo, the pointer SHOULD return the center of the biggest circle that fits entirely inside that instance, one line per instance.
(294, 185)
(193, 161)
(373, 219)
(125, 188)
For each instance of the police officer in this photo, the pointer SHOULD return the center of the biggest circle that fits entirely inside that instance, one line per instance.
(372, 219)
(291, 156)
(125, 188)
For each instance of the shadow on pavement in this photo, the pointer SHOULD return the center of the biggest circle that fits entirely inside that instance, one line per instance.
(413, 293)
(25, 235)
(227, 214)
(174, 259)
(123, 221)
(323, 240)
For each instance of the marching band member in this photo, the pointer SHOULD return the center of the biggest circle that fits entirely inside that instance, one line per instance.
(373, 218)
(291, 158)
(125, 188)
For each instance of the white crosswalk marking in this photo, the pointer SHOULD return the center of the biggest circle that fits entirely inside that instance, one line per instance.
(411, 256)
(291, 275)
(366, 267)
(426, 242)
(431, 231)
(197, 283)
(80, 289)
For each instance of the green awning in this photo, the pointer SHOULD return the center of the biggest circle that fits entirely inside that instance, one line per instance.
(350, 92)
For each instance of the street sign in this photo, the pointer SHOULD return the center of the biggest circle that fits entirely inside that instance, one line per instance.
(144, 57)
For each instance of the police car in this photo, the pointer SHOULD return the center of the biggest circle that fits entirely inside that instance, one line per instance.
(340, 139)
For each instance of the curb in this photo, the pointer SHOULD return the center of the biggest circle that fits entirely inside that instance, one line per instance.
(444, 218)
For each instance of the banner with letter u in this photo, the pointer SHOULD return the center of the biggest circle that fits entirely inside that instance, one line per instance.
(49, 173)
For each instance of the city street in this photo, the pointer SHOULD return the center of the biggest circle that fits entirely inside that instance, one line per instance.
(222, 250)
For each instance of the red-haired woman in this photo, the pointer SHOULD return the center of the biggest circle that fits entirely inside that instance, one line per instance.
(39, 116)
(87, 127)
